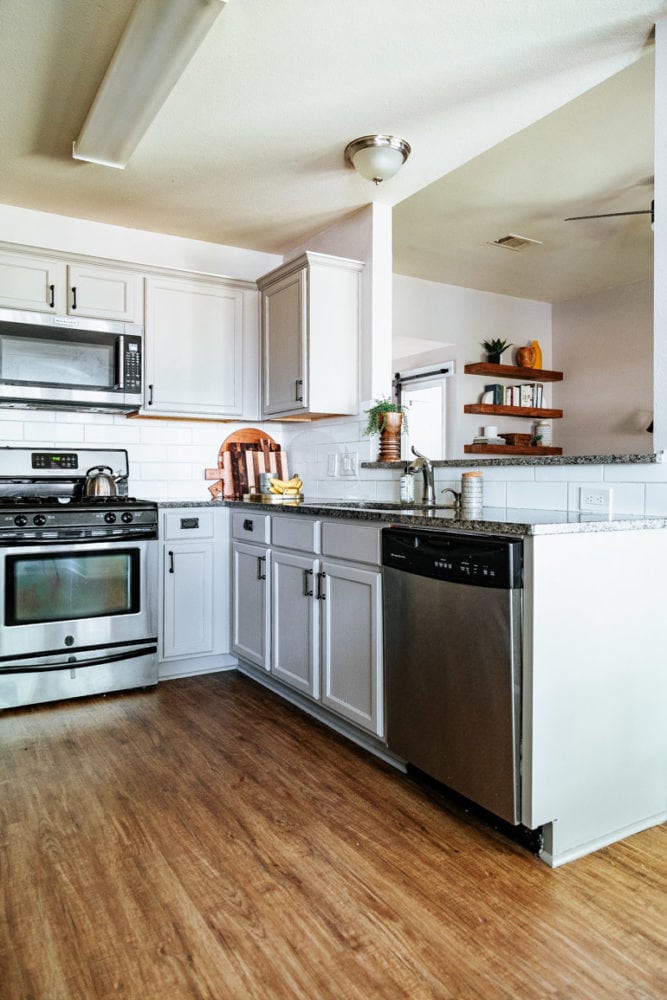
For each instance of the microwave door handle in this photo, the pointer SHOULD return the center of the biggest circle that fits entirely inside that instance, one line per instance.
(120, 362)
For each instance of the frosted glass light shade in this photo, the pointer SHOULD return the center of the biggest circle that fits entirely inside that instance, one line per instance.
(159, 41)
(377, 157)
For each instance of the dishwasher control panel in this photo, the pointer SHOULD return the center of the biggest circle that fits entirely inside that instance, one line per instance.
(484, 561)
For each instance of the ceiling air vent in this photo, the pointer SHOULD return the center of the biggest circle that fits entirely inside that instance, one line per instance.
(514, 242)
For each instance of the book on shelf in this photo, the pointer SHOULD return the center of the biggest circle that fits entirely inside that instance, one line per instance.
(529, 395)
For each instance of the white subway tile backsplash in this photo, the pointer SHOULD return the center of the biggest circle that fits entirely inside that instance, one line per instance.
(53, 433)
(107, 435)
(656, 498)
(537, 496)
(640, 473)
(569, 473)
(508, 473)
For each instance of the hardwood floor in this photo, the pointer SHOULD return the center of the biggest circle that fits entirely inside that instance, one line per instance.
(206, 840)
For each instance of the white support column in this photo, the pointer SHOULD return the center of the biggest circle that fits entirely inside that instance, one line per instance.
(660, 243)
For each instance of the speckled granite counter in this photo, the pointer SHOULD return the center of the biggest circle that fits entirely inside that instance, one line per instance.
(494, 520)
(472, 461)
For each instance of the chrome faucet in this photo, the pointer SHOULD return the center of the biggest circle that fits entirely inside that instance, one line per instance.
(426, 467)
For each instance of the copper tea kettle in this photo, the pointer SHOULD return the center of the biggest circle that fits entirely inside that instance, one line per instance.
(100, 482)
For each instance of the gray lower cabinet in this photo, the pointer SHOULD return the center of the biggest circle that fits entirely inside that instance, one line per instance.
(295, 618)
(326, 618)
(251, 587)
(351, 644)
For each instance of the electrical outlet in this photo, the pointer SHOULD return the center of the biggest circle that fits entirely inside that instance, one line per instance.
(597, 499)
(332, 466)
(349, 462)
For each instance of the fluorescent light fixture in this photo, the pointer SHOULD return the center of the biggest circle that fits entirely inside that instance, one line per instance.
(159, 41)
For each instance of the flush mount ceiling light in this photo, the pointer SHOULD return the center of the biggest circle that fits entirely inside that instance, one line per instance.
(159, 41)
(377, 157)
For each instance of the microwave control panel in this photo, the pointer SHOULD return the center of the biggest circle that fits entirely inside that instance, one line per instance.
(132, 364)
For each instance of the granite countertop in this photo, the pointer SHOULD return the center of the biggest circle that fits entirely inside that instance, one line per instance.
(473, 461)
(494, 520)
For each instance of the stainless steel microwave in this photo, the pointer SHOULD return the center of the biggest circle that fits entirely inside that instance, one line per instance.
(66, 362)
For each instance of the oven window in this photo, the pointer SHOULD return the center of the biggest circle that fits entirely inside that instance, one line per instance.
(45, 588)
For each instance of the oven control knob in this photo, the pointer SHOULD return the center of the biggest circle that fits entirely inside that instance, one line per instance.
(110, 517)
(126, 517)
(20, 520)
(39, 520)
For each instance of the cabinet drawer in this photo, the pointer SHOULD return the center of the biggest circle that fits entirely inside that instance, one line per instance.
(296, 533)
(249, 527)
(350, 541)
(188, 523)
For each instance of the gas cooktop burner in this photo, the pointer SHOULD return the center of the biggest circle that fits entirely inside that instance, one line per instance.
(66, 501)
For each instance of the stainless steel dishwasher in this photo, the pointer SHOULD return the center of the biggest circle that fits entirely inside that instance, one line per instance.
(452, 641)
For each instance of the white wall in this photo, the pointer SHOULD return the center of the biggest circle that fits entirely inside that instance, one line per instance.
(59, 232)
(460, 318)
(603, 343)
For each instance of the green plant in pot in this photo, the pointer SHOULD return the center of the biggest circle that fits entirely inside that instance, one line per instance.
(377, 412)
(494, 348)
(389, 420)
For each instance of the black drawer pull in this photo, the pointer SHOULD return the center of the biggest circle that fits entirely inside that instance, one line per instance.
(189, 522)
(248, 524)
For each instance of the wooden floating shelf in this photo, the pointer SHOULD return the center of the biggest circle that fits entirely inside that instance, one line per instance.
(513, 371)
(510, 449)
(511, 411)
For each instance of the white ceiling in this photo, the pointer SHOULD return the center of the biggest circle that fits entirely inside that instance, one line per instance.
(248, 148)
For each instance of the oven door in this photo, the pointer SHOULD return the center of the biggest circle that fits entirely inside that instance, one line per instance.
(64, 598)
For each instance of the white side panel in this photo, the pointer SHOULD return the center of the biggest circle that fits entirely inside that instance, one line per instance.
(596, 687)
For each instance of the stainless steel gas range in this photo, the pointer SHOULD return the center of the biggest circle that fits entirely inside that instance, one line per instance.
(78, 578)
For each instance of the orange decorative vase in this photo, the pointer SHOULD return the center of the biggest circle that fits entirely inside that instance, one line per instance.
(526, 357)
(535, 344)
(390, 437)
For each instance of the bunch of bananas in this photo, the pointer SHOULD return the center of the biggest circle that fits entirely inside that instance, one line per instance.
(287, 487)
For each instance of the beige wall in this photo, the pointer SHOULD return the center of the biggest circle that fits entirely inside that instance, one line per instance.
(603, 343)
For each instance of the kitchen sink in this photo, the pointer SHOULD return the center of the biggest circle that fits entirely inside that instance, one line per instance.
(384, 507)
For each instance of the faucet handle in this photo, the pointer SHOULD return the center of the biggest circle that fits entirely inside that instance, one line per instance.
(457, 497)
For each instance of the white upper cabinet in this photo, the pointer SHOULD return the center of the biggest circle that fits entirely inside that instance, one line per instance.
(105, 293)
(35, 281)
(310, 315)
(201, 353)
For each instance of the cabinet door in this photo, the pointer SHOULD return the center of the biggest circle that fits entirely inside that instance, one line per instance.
(284, 330)
(31, 282)
(104, 292)
(351, 622)
(251, 603)
(188, 599)
(194, 347)
(295, 619)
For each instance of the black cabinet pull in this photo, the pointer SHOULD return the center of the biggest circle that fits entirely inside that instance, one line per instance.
(189, 522)
(321, 596)
(299, 390)
(150, 394)
(171, 562)
(260, 575)
(74, 298)
(306, 591)
(52, 303)
(248, 525)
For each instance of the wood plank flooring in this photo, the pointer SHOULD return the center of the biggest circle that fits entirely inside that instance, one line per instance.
(207, 840)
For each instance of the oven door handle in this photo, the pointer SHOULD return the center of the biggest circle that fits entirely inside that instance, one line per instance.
(74, 664)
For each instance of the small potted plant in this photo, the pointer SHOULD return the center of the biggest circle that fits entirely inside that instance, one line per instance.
(388, 419)
(494, 348)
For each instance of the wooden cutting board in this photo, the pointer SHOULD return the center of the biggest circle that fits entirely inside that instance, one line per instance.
(243, 455)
